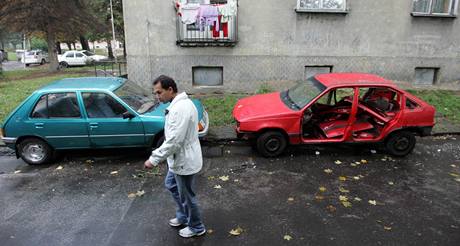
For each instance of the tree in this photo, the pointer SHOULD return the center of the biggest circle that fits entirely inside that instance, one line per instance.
(51, 17)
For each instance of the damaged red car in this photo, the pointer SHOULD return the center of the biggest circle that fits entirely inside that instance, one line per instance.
(335, 108)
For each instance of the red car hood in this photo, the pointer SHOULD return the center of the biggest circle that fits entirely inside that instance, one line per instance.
(260, 106)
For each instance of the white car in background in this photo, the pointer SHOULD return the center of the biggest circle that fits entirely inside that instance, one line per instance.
(79, 58)
(34, 57)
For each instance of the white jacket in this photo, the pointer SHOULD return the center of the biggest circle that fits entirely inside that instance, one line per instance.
(181, 147)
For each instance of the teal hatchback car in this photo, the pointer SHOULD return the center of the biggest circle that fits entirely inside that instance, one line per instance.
(81, 113)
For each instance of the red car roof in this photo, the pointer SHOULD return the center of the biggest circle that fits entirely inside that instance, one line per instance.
(353, 79)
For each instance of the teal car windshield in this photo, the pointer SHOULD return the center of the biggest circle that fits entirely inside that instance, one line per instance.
(302, 93)
(136, 97)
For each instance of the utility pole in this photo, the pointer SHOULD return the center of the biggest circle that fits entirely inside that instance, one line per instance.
(24, 53)
(113, 33)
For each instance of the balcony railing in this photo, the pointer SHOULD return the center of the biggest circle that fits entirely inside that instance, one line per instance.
(193, 35)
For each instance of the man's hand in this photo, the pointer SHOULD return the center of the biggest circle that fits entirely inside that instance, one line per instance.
(149, 165)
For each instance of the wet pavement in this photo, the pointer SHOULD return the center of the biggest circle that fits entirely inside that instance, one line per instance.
(327, 195)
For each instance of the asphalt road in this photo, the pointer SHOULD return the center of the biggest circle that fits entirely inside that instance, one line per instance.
(301, 196)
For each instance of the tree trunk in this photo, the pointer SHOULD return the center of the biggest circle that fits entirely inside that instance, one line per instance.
(69, 45)
(51, 40)
(84, 43)
(124, 49)
(58, 48)
(109, 49)
(74, 47)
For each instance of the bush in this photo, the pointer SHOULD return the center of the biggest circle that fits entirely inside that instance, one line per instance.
(38, 44)
(264, 89)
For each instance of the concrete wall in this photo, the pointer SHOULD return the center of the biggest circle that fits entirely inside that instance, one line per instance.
(275, 43)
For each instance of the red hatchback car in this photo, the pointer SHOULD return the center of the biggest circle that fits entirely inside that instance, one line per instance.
(335, 108)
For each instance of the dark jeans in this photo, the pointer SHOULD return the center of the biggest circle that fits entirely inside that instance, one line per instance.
(187, 212)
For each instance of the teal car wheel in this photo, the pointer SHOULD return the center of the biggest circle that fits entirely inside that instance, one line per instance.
(35, 151)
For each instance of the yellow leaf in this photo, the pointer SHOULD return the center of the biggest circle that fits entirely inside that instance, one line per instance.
(223, 178)
(217, 187)
(453, 165)
(373, 202)
(322, 189)
(343, 198)
(458, 180)
(89, 161)
(287, 237)
(17, 171)
(211, 177)
(114, 172)
(346, 204)
(357, 199)
(356, 177)
(59, 168)
(291, 199)
(131, 195)
(358, 163)
(388, 228)
(343, 190)
(236, 232)
(328, 171)
(210, 231)
(391, 183)
(236, 180)
(337, 162)
(342, 178)
(363, 161)
(353, 165)
(454, 175)
(319, 198)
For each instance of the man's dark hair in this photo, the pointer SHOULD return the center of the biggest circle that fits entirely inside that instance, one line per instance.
(166, 82)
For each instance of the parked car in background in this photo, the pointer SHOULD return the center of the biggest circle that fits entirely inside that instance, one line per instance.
(335, 108)
(79, 58)
(79, 113)
(35, 57)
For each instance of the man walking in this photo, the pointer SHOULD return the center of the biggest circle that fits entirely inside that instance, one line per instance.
(182, 150)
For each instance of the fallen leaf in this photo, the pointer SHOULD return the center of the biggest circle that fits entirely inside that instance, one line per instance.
(356, 177)
(391, 183)
(331, 208)
(291, 199)
(287, 237)
(346, 204)
(373, 151)
(454, 175)
(131, 195)
(140, 193)
(357, 162)
(114, 172)
(343, 190)
(337, 162)
(364, 161)
(209, 231)
(357, 199)
(211, 177)
(343, 198)
(343, 178)
(236, 232)
(89, 161)
(328, 171)
(353, 165)
(223, 178)
(319, 197)
(217, 187)
(59, 168)
(373, 202)
(322, 189)
(17, 171)
(453, 166)
(317, 153)
(388, 228)
(236, 180)
(458, 179)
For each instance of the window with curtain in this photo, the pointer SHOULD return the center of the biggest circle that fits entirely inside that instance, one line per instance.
(434, 7)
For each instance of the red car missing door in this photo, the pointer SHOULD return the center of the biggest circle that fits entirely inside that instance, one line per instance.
(335, 108)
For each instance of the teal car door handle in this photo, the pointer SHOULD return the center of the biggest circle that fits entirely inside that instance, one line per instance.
(93, 125)
(39, 125)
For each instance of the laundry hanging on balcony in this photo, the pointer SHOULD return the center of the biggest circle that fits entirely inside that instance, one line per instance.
(207, 16)
(189, 12)
(227, 11)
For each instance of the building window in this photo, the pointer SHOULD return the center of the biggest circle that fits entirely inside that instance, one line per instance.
(321, 5)
(208, 76)
(434, 7)
(426, 75)
(313, 70)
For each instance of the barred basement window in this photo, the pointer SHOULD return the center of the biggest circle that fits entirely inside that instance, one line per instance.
(321, 5)
(426, 75)
(208, 76)
(434, 7)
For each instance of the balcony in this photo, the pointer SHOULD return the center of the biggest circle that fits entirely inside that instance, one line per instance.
(193, 36)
